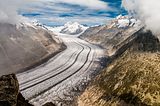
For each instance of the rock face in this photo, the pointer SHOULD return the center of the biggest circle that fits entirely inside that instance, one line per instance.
(131, 79)
(24, 46)
(21, 101)
(9, 92)
(9, 89)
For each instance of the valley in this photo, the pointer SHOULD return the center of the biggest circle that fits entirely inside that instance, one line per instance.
(61, 72)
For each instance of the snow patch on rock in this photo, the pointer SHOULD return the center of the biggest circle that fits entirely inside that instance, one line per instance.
(125, 21)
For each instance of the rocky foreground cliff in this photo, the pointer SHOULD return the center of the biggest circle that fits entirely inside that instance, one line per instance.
(10, 94)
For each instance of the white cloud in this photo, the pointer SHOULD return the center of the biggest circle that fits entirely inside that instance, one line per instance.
(8, 11)
(93, 4)
(147, 11)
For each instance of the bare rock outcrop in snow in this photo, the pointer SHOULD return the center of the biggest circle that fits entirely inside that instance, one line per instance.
(125, 21)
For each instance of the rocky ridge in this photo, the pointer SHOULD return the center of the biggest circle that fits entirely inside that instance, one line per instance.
(112, 36)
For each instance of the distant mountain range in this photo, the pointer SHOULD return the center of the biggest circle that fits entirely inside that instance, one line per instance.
(74, 28)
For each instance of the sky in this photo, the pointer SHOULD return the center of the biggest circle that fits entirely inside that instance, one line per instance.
(86, 12)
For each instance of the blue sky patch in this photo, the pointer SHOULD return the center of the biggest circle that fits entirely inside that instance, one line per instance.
(58, 13)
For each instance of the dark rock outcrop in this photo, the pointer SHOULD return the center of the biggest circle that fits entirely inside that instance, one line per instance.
(21, 101)
(49, 104)
(9, 92)
(9, 89)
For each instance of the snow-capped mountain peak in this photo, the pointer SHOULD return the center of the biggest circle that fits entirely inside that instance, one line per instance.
(73, 28)
(37, 23)
(33, 23)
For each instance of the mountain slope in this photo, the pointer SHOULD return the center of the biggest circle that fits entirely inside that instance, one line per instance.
(24, 45)
(131, 75)
(112, 36)
(132, 79)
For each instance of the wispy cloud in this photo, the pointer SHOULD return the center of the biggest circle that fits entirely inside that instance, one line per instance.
(94, 4)
(8, 11)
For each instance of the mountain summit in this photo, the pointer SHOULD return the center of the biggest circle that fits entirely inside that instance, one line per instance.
(73, 28)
